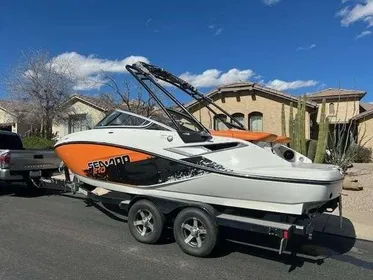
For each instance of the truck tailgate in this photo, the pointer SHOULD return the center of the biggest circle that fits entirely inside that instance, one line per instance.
(27, 160)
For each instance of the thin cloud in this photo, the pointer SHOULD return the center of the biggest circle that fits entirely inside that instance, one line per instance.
(310, 47)
(215, 77)
(369, 21)
(322, 86)
(88, 69)
(215, 29)
(282, 85)
(218, 31)
(148, 22)
(270, 2)
(363, 34)
(357, 12)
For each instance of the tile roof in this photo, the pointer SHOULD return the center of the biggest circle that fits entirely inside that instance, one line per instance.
(367, 106)
(335, 92)
(251, 86)
(362, 115)
(100, 103)
(7, 105)
(240, 84)
(13, 106)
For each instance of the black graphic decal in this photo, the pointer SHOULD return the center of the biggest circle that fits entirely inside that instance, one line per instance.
(146, 172)
(101, 166)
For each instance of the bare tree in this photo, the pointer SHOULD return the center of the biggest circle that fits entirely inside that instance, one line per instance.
(345, 140)
(42, 85)
(129, 96)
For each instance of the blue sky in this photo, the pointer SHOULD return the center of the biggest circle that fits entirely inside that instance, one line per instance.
(293, 45)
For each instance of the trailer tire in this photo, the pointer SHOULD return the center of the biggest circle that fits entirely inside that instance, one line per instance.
(195, 232)
(145, 222)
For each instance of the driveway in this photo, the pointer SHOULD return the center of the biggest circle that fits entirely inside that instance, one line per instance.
(53, 236)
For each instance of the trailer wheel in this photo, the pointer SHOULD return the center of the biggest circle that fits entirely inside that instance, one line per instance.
(145, 222)
(195, 232)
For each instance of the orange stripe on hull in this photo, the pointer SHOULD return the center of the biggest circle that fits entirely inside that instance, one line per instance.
(245, 135)
(282, 139)
(77, 156)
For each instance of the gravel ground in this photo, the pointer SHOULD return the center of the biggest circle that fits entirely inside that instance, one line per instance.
(360, 201)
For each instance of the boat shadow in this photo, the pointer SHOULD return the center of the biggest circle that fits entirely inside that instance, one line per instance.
(299, 251)
(20, 190)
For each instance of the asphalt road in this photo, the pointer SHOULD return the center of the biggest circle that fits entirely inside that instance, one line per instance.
(59, 237)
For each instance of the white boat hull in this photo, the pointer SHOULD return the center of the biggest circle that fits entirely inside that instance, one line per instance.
(235, 192)
(221, 171)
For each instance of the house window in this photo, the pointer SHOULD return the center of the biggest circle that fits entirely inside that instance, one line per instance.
(256, 121)
(218, 123)
(239, 117)
(77, 123)
(331, 109)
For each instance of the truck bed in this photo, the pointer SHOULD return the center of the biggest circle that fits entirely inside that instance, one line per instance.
(28, 160)
(20, 164)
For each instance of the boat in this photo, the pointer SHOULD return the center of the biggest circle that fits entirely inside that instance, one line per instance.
(175, 157)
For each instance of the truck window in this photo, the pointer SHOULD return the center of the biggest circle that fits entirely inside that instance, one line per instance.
(10, 142)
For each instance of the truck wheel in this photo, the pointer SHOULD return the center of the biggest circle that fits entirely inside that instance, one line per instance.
(145, 222)
(195, 232)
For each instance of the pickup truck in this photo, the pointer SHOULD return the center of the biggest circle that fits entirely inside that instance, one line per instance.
(20, 165)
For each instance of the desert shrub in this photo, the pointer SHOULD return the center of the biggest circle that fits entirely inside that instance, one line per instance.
(364, 154)
(34, 142)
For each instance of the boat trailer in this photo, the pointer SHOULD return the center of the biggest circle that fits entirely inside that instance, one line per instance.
(282, 230)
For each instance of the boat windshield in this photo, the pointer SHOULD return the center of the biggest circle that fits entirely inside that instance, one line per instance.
(184, 121)
(119, 118)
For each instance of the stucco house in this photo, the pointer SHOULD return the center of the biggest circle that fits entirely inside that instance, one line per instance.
(364, 121)
(259, 109)
(256, 106)
(82, 112)
(9, 117)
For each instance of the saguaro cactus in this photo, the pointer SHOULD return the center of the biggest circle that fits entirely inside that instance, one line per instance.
(291, 126)
(283, 121)
(302, 126)
(298, 127)
(296, 133)
(323, 135)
